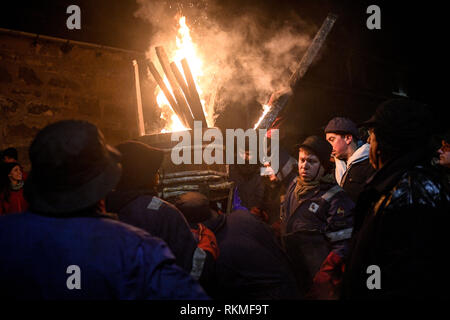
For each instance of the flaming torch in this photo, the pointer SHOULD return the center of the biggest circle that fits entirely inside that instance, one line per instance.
(279, 100)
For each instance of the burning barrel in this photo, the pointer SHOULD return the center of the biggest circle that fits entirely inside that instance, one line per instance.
(210, 179)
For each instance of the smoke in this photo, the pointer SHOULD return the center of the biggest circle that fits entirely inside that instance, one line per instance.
(247, 52)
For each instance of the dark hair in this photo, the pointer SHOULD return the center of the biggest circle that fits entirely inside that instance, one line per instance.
(5, 183)
(10, 153)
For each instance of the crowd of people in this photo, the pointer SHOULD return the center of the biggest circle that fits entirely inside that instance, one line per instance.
(313, 231)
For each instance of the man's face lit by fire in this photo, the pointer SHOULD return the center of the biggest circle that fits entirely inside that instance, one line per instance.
(444, 154)
(309, 167)
(340, 144)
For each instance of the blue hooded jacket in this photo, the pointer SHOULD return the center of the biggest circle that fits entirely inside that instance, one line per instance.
(115, 260)
(159, 218)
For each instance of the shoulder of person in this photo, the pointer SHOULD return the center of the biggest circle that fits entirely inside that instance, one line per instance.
(157, 204)
(363, 165)
(421, 185)
(337, 195)
(292, 184)
(169, 210)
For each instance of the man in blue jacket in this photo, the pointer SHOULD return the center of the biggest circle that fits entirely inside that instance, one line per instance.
(65, 247)
(317, 221)
(135, 201)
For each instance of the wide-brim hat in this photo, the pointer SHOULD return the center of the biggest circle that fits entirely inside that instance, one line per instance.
(401, 124)
(72, 168)
(369, 123)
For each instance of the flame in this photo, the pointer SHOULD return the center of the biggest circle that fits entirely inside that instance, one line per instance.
(185, 48)
(266, 109)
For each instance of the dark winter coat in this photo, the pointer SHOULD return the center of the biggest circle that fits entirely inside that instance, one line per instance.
(319, 223)
(115, 260)
(404, 233)
(251, 264)
(355, 179)
(159, 218)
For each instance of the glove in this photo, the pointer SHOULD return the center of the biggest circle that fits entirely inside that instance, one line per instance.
(276, 227)
(260, 214)
(206, 240)
(326, 282)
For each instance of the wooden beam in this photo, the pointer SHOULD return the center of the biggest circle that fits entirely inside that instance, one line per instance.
(182, 104)
(196, 106)
(173, 104)
(140, 114)
(193, 93)
(279, 100)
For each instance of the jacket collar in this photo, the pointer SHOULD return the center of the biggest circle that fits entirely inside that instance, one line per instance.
(361, 154)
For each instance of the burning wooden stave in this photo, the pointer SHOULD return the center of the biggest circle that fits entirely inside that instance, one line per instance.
(280, 99)
(185, 114)
(185, 101)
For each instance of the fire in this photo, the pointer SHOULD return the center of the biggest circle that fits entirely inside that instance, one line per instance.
(266, 109)
(185, 48)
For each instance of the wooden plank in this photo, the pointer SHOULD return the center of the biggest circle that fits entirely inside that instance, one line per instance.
(181, 101)
(280, 99)
(197, 104)
(159, 80)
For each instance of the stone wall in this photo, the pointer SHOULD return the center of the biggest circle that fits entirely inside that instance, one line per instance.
(43, 80)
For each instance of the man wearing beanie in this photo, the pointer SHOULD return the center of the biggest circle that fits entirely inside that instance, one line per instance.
(65, 247)
(351, 156)
(135, 201)
(317, 222)
(400, 246)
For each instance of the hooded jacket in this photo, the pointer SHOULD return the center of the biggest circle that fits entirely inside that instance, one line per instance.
(159, 218)
(40, 256)
(352, 175)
